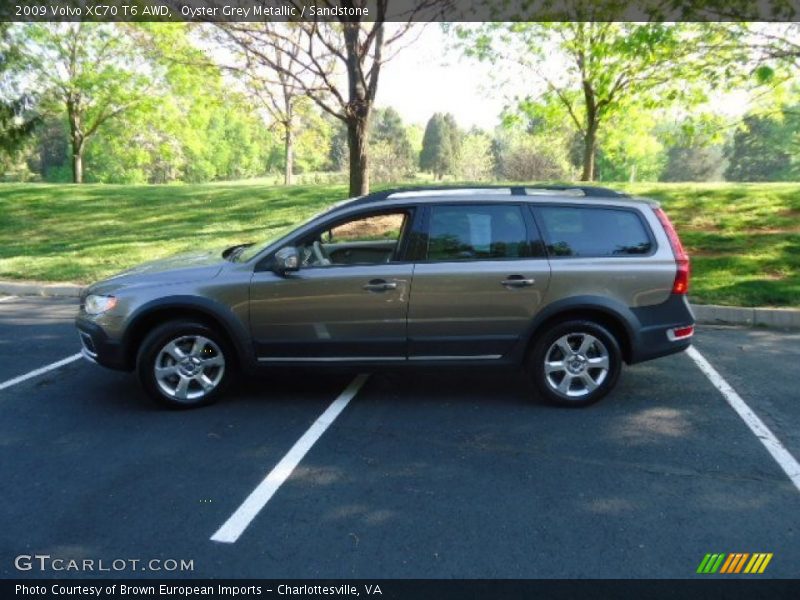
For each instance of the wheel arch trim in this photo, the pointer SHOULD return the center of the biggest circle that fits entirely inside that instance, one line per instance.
(171, 306)
(619, 315)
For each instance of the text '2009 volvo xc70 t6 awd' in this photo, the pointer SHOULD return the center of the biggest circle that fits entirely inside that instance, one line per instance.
(569, 282)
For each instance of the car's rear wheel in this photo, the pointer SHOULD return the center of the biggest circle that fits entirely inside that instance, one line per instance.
(184, 364)
(575, 363)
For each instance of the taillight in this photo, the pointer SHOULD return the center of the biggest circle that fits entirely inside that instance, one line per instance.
(681, 283)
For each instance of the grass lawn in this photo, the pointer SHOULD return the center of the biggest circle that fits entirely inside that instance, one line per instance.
(86, 232)
(744, 239)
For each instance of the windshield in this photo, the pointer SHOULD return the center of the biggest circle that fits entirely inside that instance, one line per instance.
(251, 251)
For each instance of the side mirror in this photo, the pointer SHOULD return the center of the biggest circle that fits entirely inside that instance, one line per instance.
(286, 260)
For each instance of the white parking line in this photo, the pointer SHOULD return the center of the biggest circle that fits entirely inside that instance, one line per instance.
(6, 298)
(785, 460)
(258, 498)
(39, 371)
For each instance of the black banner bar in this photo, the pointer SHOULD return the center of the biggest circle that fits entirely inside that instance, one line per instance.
(398, 10)
(707, 588)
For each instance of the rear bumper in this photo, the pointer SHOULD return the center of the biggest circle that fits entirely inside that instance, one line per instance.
(653, 337)
(98, 348)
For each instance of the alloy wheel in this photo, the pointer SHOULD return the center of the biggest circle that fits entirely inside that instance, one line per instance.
(189, 367)
(576, 364)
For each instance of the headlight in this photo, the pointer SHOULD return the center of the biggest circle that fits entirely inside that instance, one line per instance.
(94, 305)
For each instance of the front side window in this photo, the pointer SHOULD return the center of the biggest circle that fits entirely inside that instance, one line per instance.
(363, 240)
(384, 228)
(593, 232)
(479, 232)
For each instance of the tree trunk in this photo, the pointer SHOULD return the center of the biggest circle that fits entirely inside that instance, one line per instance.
(289, 147)
(359, 165)
(77, 166)
(76, 139)
(359, 103)
(589, 147)
(590, 135)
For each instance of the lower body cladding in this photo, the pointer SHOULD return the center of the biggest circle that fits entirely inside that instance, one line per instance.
(663, 329)
(98, 348)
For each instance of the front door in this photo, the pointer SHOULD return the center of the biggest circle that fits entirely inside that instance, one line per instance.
(348, 300)
(482, 281)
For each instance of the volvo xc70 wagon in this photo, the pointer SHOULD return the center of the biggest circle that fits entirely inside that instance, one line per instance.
(567, 282)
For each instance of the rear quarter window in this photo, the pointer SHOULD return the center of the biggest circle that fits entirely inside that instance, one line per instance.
(593, 232)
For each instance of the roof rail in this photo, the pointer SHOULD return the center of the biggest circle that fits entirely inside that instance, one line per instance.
(514, 190)
(588, 190)
(383, 194)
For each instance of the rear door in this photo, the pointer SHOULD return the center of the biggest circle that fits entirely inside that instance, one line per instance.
(481, 281)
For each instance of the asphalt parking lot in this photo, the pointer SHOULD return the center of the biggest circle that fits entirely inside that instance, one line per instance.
(429, 474)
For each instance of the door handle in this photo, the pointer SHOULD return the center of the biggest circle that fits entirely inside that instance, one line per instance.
(517, 281)
(380, 285)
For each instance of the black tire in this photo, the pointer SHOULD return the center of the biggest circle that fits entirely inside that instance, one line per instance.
(570, 382)
(197, 369)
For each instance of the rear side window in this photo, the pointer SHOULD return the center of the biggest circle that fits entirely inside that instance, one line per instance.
(588, 231)
(477, 232)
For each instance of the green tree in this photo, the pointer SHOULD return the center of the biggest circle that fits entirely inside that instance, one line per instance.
(522, 155)
(200, 128)
(765, 149)
(313, 135)
(195, 136)
(93, 71)
(476, 162)
(414, 135)
(17, 117)
(529, 146)
(455, 133)
(394, 158)
(594, 70)
(629, 149)
(338, 154)
(387, 166)
(439, 150)
(194, 126)
(274, 86)
(695, 148)
(49, 156)
(694, 163)
(387, 125)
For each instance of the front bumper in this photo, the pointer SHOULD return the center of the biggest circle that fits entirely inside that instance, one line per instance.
(98, 348)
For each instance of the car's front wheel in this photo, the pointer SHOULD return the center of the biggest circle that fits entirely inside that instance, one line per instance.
(575, 363)
(184, 364)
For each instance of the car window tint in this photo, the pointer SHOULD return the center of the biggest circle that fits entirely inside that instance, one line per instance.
(583, 231)
(478, 232)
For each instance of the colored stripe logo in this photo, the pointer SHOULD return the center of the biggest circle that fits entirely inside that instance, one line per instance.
(737, 562)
